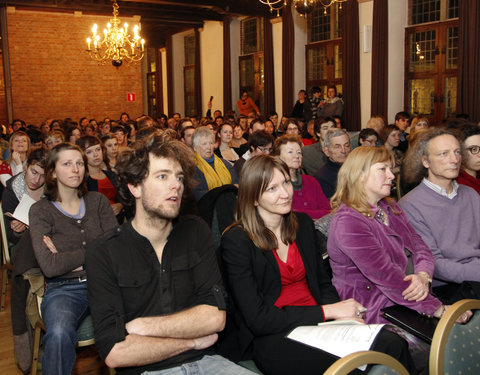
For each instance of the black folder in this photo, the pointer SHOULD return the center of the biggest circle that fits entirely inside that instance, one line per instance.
(411, 321)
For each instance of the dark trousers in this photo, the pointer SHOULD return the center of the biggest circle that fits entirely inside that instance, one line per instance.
(451, 292)
(277, 355)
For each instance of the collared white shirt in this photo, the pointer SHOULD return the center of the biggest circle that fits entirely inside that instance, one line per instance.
(440, 190)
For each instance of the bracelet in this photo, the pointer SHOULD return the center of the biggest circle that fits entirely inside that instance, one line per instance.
(443, 311)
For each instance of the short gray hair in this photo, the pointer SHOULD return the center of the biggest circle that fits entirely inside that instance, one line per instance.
(200, 132)
(331, 133)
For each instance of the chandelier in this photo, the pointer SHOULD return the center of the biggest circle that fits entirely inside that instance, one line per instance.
(117, 44)
(303, 7)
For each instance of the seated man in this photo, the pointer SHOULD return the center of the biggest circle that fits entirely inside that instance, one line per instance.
(444, 213)
(313, 156)
(154, 287)
(336, 147)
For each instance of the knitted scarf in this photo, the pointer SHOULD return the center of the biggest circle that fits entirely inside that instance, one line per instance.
(217, 176)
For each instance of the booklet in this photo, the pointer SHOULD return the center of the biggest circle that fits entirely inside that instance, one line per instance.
(339, 337)
(21, 212)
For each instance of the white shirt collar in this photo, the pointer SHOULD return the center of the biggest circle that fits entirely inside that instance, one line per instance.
(440, 190)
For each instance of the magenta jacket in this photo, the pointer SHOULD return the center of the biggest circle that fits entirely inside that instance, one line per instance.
(369, 262)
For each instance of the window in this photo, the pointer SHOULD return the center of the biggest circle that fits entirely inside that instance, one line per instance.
(324, 52)
(432, 58)
(251, 61)
(189, 75)
(151, 57)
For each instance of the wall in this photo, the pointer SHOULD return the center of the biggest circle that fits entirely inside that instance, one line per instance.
(234, 65)
(277, 28)
(53, 76)
(178, 53)
(211, 52)
(300, 30)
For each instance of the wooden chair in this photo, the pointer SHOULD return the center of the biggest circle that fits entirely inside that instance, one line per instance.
(384, 364)
(6, 264)
(456, 347)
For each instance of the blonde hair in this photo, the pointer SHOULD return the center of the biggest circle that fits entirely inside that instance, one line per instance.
(352, 176)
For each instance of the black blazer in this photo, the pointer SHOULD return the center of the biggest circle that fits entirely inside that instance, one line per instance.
(252, 277)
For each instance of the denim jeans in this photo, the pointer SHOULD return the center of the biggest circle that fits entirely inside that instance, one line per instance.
(64, 305)
(208, 365)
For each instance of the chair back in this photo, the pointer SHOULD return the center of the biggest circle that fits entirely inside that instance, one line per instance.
(384, 364)
(456, 347)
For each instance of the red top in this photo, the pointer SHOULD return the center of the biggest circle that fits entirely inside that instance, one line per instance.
(106, 188)
(465, 179)
(245, 107)
(5, 168)
(295, 290)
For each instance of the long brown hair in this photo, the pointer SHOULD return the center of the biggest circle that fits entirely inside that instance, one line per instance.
(352, 176)
(255, 176)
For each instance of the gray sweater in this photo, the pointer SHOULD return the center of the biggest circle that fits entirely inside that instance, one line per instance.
(70, 236)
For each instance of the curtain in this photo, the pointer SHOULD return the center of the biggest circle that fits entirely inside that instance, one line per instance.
(227, 67)
(169, 58)
(468, 81)
(198, 75)
(269, 80)
(379, 95)
(288, 43)
(351, 66)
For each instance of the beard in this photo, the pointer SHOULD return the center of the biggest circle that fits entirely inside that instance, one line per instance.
(160, 211)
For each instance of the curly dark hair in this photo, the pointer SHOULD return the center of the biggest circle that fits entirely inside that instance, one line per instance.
(133, 165)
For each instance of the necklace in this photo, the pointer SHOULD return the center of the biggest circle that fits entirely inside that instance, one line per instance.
(382, 216)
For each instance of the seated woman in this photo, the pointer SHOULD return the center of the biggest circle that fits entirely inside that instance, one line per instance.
(225, 136)
(292, 128)
(332, 106)
(375, 254)
(72, 134)
(211, 171)
(308, 195)
(54, 138)
(101, 179)
(28, 183)
(110, 145)
(276, 278)
(469, 174)
(237, 139)
(18, 149)
(61, 226)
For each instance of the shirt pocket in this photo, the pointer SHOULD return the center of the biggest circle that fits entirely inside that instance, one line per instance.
(134, 287)
(185, 279)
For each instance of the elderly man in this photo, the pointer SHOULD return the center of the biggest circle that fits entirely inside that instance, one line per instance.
(154, 286)
(313, 156)
(336, 147)
(444, 213)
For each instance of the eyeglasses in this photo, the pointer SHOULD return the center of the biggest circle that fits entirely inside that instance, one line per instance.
(474, 149)
(265, 150)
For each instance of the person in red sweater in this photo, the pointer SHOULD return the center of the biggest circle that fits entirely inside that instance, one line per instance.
(246, 105)
(471, 157)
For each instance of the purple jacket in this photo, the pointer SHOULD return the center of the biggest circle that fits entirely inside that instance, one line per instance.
(369, 262)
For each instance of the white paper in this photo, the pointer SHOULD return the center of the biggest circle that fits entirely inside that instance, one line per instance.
(339, 338)
(21, 212)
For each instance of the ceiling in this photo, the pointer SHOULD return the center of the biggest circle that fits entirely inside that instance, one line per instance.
(159, 17)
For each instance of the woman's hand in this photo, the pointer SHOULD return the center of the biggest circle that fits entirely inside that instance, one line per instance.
(462, 319)
(117, 208)
(49, 243)
(16, 158)
(418, 289)
(17, 226)
(348, 309)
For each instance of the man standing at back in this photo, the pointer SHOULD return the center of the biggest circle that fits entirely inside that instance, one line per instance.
(444, 213)
(154, 287)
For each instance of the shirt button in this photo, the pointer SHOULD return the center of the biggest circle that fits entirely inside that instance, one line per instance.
(84, 243)
(82, 231)
(164, 270)
(368, 287)
(79, 221)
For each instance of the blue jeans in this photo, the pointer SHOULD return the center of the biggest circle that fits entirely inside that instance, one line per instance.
(208, 365)
(64, 305)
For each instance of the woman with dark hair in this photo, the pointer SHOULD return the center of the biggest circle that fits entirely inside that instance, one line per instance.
(390, 137)
(246, 105)
(110, 145)
(276, 277)
(61, 226)
(100, 176)
(471, 157)
(308, 196)
(72, 134)
(30, 182)
(332, 106)
(225, 136)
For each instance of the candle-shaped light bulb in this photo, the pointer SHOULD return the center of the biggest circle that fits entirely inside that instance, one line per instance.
(135, 29)
(94, 29)
(143, 44)
(109, 26)
(88, 43)
(125, 25)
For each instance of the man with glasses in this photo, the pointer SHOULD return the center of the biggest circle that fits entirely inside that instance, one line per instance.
(469, 174)
(444, 213)
(260, 142)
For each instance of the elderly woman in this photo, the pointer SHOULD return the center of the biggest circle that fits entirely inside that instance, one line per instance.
(469, 174)
(375, 254)
(211, 171)
(308, 196)
(275, 274)
(18, 147)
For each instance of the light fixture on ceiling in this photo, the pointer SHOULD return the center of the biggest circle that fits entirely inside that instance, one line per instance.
(303, 7)
(117, 44)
